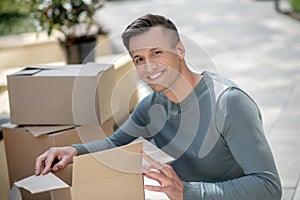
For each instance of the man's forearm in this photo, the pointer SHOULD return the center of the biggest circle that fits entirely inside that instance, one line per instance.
(94, 146)
(251, 187)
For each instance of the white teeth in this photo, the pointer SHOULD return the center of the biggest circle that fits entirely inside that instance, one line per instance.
(156, 75)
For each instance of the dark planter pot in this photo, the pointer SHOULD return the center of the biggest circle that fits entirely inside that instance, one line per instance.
(80, 51)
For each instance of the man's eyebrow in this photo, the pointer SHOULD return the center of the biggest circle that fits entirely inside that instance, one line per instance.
(152, 49)
(155, 48)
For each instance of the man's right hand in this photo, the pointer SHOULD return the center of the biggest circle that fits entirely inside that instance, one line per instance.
(62, 155)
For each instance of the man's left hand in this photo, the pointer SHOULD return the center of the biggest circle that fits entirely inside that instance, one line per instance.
(164, 174)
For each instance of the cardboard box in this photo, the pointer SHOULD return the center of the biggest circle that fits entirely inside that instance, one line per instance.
(126, 88)
(61, 95)
(125, 91)
(112, 174)
(24, 144)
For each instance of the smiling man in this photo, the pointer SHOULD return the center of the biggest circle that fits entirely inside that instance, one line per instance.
(160, 62)
(210, 125)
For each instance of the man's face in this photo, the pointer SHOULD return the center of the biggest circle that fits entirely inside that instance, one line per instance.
(155, 58)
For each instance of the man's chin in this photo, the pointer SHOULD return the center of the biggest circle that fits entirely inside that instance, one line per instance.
(157, 87)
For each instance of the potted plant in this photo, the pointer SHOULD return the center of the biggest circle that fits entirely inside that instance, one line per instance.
(295, 5)
(75, 22)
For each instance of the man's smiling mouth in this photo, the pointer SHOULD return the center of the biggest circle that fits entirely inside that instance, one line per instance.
(155, 76)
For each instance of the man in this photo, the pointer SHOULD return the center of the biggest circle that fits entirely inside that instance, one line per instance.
(212, 127)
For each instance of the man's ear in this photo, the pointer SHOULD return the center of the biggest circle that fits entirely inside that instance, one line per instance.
(180, 49)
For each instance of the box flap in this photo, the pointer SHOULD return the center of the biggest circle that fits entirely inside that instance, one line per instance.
(9, 125)
(25, 72)
(111, 163)
(31, 70)
(65, 174)
(90, 69)
(45, 67)
(41, 130)
(67, 71)
(42, 183)
(123, 187)
(100, 175)
(154, 152)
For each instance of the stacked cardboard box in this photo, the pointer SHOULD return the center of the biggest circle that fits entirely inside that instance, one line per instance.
(79, 94)
(125, 92)
(55, 106)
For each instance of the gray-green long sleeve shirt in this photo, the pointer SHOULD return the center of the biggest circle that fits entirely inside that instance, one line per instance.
(216, 136)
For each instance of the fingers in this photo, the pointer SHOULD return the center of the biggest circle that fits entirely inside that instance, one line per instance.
(56, 158)
(52, 154)
(155, 164)
(157, 176)
(162, 173)
(153, 188)
(44, 162)
(60, 164)
(165, 169)
(169, 182)
(39, 163)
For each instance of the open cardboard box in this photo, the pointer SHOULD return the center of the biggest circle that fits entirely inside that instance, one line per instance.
(111, 174)
(61, 95)
(23, 144)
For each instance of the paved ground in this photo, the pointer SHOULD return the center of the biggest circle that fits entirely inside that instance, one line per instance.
(247, 41)
(252, 44)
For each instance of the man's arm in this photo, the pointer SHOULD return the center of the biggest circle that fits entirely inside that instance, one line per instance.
(244, 136)
(57, 158)
(133, 128)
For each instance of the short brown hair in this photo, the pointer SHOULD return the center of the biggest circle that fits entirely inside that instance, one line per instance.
(144, 23)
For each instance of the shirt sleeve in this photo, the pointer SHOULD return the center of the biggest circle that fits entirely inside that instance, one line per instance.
(122, 136)
(133, 128)
(94, 146)
(243, 133)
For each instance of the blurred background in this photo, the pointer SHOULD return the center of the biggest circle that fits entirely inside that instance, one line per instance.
(256, 43)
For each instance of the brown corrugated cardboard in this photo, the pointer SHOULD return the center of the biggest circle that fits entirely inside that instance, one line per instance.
(61, 95)
(125, 91)
(112, 174)
(153, 151)
(22, 147)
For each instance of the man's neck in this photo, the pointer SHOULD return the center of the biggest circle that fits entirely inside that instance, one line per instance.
(183, 86)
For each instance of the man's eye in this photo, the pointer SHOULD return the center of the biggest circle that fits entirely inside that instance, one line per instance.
(156, 53)
(138, 60)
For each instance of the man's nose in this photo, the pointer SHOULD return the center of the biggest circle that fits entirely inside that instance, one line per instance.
(150, 65)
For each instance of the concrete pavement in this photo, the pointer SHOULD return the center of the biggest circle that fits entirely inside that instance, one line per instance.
(249, 42)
